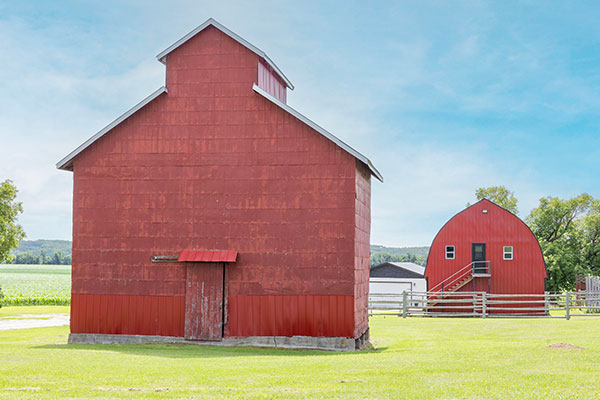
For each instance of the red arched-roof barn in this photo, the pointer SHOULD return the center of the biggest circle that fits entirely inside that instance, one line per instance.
(212, 210)
(486, 248)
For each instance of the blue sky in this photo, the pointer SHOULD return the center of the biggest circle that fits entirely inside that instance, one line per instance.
(443, 97)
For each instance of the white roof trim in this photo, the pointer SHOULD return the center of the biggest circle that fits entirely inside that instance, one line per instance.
(322, 131)
(65, 163)
(234, 36)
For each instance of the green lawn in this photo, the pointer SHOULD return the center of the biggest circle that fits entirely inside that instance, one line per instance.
(414, 359)
(35, 284)
(12, 311)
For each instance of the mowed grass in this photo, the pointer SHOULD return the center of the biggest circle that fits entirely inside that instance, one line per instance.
(35, 284)
(12, 311)
(414, 359)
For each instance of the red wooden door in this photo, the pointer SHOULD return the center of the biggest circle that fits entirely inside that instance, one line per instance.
(204, 301)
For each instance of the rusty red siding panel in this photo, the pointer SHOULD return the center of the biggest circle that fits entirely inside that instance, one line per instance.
(497, 228)
(270, 82)
(213, 165)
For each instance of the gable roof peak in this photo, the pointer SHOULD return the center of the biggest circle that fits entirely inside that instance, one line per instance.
(162, 56)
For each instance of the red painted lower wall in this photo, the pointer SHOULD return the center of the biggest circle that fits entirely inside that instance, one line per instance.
(303, 315)
(129, 315)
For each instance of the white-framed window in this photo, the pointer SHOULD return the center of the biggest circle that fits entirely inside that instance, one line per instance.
(450, 252)
(507, 252)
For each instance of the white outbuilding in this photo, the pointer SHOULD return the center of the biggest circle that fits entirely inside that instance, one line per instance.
(395, 278)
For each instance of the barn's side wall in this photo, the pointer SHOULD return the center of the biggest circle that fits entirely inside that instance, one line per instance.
(362, 248)
(524, 274)
(214, 165)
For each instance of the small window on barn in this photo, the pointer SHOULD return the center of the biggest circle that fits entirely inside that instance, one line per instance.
(449, 252)
(508, 252)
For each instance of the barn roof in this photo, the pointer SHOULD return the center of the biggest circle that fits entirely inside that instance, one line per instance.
(490, 203)
(211, 22)
(67, 162)
(319, 129)
(403, 269)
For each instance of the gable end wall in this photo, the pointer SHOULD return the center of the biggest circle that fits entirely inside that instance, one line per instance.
(213, 165)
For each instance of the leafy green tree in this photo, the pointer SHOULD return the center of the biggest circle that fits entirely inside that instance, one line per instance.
(499, 195)
(555, 218)
(10, 232)
(380, 258)
(27, 258)
(590, 226)
(559, 226)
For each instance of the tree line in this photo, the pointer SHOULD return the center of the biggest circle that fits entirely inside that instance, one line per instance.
(380, 258)
(58, 258)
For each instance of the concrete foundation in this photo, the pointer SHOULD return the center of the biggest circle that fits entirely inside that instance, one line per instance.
(284, 342)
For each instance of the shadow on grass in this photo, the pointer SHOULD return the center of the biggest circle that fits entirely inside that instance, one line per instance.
(201, 351)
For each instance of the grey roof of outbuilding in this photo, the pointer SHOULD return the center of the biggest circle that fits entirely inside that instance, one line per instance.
(408, 266)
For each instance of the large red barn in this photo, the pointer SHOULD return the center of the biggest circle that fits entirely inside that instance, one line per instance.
(212, 210)
(486, 248)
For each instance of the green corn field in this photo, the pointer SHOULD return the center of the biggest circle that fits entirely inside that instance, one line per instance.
(35, 284)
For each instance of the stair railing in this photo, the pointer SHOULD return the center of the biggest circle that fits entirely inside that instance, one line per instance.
(454, 278)
(482, 267)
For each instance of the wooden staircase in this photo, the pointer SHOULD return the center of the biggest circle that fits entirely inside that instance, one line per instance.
(453, 283)
(460, 284)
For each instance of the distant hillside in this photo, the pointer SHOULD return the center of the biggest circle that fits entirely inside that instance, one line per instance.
(381, 254)
(418, 251)
(49, 247)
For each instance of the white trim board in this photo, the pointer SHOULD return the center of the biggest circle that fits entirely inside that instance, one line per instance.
(321, 130)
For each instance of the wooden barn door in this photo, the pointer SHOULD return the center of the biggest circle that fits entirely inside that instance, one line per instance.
(204, 301)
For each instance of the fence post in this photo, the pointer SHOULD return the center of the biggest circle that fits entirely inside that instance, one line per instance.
(404, 301)
(483, 305)
(567, 306)
(546, 306)
(442, 297)
(475, 303)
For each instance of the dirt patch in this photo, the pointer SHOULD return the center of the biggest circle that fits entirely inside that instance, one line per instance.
(27, 321)
(565, 346)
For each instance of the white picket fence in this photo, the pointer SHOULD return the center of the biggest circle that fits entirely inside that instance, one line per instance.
(483, 305)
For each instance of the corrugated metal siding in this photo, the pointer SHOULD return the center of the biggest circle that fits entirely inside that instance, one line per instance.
(129, 315)
(302, 315)
(214, 165)
(269, 81)
(524, 274)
